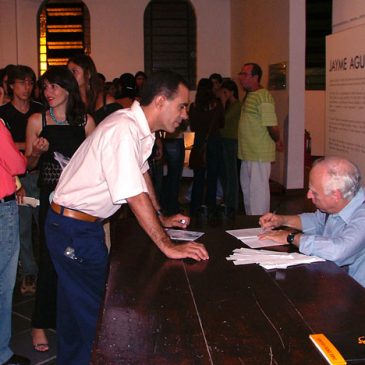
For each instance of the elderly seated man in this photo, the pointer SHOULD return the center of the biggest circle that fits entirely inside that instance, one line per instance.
(336, 231)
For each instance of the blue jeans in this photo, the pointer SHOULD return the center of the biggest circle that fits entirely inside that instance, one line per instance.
(81, 281)
(9, 245)
(174, 153)
(29, 265)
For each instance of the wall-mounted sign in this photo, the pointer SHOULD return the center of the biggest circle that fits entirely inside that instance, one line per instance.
(277, 76)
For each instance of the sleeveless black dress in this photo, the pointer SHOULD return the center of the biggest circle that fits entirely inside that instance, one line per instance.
(64, 139)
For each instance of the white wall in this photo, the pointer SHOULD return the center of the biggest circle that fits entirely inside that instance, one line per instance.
(18, 37)
(347, 14)
(315, 114)
(261, 33)
(117, 35)
(229, 32)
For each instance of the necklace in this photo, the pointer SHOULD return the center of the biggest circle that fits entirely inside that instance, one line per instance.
(53, 117)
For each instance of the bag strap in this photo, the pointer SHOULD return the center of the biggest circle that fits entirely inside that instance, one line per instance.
(44, 120)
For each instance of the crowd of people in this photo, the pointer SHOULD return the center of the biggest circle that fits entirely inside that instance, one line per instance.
(83, 146)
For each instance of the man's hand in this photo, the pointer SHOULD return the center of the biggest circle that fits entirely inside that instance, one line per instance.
(192, 250)
(40, 145)
(279, 145)
(276, 236)
(20, 194)
(145, 212)
(270, 221)
(177, 220)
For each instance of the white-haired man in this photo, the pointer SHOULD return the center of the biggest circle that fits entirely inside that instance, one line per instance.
(336, 231)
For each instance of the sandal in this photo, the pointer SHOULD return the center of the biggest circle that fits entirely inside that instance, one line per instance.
(39, 339)
(41, 347)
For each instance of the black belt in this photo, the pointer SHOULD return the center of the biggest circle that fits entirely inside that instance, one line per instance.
(7, 198)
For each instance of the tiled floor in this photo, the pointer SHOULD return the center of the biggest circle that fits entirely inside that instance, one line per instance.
(289, 203)
(21, 339)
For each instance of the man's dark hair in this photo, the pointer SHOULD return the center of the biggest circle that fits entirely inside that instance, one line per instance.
(256, 70)
(19, 72)
(164, 82)
(217, 77)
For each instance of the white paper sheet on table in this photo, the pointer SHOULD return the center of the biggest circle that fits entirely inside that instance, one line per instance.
(270, 259)
(245, 233)
(183, 235)
(249, 237)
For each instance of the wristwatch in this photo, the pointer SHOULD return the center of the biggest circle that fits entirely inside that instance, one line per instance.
(290, 237)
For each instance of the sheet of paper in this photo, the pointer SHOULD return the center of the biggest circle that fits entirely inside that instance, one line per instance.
(249, 237)
(183, 235)
(245, 233)
(29, 201)
(256, 243)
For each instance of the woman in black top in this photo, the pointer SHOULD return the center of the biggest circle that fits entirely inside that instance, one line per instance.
(206, 117)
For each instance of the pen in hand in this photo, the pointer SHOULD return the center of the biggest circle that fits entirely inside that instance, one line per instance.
(264, 223)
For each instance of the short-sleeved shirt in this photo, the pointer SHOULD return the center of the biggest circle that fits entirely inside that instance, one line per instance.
(231, 118)
(108, 167)
(254, 141)
(16, 120)
(12, 162)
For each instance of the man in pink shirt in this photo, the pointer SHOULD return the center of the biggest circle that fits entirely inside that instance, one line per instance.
(110, 169)
(12, 163)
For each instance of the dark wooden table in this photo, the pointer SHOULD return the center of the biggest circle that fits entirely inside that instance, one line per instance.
(161, 311)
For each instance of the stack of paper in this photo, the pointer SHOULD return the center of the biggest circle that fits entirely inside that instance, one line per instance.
(270, 259)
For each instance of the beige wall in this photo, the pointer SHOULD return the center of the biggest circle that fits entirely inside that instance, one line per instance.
(315, 102)
(347, 14)
(253, 40)
(229, 32)
(18, 39)
(117, 34)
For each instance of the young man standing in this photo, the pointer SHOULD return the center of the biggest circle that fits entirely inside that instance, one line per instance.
(12, 163)
(20, 84)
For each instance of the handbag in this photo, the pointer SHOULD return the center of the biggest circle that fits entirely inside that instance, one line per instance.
(198, 157)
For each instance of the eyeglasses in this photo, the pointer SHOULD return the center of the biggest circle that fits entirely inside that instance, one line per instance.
(23, 82)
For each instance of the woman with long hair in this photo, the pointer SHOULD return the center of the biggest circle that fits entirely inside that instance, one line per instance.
(232, 107)
(98, 103)
(52, 135)
(206, 116)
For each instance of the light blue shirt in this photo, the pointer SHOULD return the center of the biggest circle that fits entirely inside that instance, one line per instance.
(341, 239)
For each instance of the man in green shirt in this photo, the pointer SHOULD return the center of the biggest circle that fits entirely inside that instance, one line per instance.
(258, 136)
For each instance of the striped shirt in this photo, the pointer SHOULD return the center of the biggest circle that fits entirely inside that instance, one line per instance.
(254, 141)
